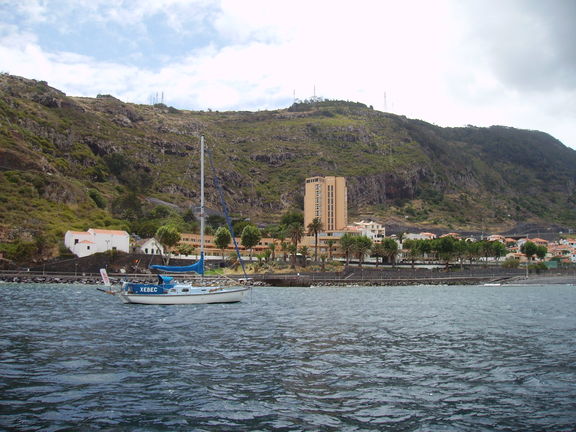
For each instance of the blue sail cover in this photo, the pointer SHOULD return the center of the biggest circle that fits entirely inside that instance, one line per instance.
(197, 267)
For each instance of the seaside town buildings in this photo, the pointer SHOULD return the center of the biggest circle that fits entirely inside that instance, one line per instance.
(84, 243)
(93, 241)
(326, 199)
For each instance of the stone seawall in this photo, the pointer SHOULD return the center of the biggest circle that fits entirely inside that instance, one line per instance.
(290, 280)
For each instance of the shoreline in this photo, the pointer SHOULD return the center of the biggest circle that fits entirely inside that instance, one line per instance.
(296, 280)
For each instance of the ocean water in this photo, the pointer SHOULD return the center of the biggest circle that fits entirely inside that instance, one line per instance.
(422, 358)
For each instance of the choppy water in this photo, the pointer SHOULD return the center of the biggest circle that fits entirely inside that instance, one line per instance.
(374, 358)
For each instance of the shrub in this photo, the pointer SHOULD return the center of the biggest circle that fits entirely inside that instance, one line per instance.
(97, 198)
(511, 263)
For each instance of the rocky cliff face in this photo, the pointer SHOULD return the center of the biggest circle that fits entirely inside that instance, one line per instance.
(74, 159)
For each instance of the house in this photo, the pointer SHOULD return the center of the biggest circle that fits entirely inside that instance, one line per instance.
(536, 241)
(454, 235)
(148, 247)
(497, 237)
(373, 230)
(568, 242)
(85, 243)
(420, 236)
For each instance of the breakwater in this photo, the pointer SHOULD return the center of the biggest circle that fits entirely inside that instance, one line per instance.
(96, 279)
(366, 278)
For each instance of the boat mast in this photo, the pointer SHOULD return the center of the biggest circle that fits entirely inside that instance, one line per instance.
(202, 196)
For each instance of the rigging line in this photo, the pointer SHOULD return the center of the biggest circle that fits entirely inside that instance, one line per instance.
(225, 209)
(186, 171)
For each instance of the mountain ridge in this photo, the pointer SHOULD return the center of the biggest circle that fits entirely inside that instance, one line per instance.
(76, 162)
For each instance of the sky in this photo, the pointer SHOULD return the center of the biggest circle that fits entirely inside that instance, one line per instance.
(447, 62)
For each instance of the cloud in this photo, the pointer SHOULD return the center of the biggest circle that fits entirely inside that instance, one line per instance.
(528, 44)
(447, 62)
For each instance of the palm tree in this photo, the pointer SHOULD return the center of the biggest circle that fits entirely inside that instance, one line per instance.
(390, 249)
(347, 244)
(284, 249)
(272, 247)
(330, 244)
(304, 252)
(400, 237)
(314, 228)
(292, 249)
(378, 251)
(296, 231)
(409, 250)
(323, 261)
(361, 246)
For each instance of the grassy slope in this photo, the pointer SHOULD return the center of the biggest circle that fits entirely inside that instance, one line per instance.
(53, 157)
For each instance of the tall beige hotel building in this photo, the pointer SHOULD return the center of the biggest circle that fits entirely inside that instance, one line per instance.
(326, 198)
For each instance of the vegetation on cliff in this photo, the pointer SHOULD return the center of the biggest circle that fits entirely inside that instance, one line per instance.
(76, 162)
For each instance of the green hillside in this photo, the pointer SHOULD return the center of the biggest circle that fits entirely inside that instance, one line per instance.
(74, 163)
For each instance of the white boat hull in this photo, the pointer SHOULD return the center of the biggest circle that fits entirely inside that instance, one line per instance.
(224, 295)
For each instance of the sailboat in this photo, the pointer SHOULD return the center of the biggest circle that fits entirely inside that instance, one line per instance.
(168, 292)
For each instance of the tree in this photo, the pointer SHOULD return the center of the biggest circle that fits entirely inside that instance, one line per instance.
(272, 248)
(378, 251)
(160, 212)
(330, 243)
(304, 252)
(284, 248)
(189, 217)
(445, 248)
(222, 239)
(314, 228)
(498, 250)
(127, 206)
(541, 252)
(361, 246)
(460, 248)
(424, 247)
(185, 249)
(485, 248)
(347, 244)
(411, 246)
(239, 225)
(250, 237)
(20, 251)
(390, 248)
(215, 221)
(473, 251)
(145, 229)
(168, 236)
(323, 262)
(529, 249)
(296, 231)
(292, 250)
(292, 217)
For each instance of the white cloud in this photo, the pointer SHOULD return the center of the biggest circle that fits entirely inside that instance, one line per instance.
(432, 60)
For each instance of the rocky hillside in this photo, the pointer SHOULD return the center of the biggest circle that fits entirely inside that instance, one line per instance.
(74, 162)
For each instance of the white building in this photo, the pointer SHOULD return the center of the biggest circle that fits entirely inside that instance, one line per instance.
(149, 247)
(568, 242)
(373, 230)
(85, 243)
(419, 236)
